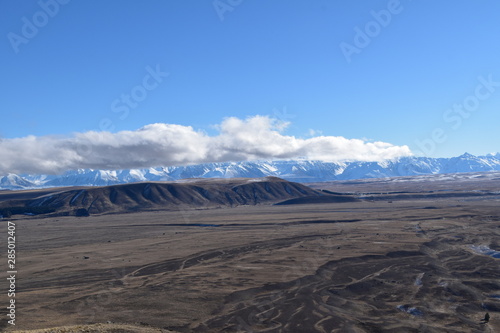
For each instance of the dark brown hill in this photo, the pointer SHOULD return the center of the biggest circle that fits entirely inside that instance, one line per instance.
(191, 193)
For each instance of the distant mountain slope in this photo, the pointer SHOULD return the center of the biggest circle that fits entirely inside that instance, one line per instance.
(297, 171)
(191, 193)
(14, 182)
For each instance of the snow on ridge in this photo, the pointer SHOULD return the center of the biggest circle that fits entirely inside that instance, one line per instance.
(293, 170)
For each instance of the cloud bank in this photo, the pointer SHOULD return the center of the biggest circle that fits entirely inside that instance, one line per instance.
(255, 138)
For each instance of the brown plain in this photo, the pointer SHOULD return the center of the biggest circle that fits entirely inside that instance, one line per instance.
(399, 260)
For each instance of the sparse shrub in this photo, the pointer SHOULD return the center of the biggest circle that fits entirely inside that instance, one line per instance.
(6, 213)
(9, 211)
(82, 212)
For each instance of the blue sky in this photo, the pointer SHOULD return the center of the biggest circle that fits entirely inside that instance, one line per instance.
(278, 58)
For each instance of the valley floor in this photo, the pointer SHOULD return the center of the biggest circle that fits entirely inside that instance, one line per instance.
(406, 265)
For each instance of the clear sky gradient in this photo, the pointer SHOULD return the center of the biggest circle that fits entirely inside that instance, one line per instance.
(286, 59)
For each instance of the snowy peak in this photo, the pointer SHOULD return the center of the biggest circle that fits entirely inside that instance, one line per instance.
(466, 155)
(470, 163)
(12, 181)
(297, 171)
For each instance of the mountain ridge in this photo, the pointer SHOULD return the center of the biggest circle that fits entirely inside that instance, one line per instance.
(292, 170)
(141, 196)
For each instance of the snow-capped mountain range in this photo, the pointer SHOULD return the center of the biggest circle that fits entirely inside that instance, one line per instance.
(295, 170)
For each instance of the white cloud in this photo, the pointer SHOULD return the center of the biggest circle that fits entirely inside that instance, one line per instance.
(258, 137)
(313, 132)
